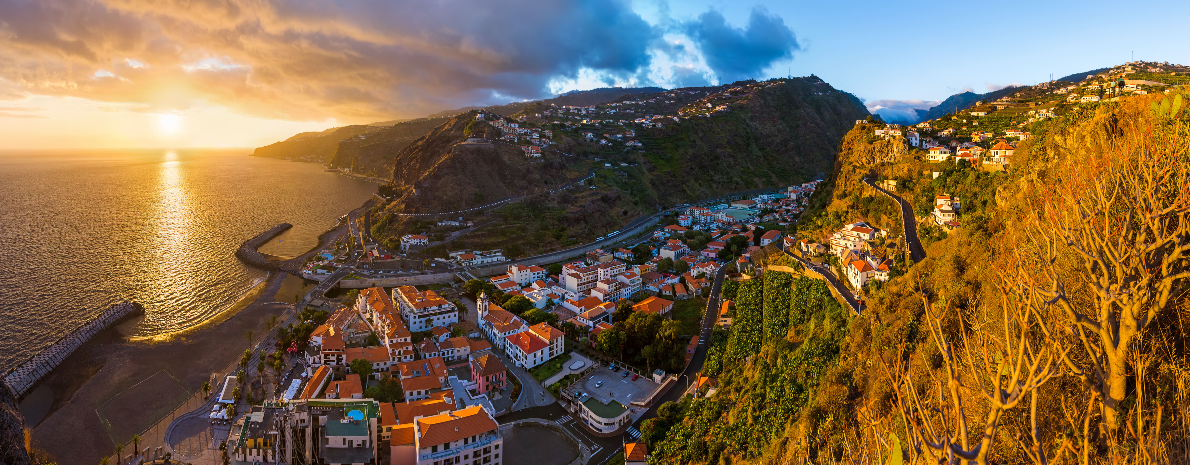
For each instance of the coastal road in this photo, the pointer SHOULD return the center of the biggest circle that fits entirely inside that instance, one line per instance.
(916, 252)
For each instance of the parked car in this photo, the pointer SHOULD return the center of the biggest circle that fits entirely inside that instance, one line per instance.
(598, 383)
(625, 374)
(634, 377)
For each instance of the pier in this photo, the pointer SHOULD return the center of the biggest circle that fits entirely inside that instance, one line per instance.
(23, 377)
(250, 255)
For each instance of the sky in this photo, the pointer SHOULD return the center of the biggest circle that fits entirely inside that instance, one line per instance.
(245, 73)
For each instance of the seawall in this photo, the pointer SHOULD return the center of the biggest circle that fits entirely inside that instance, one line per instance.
(23, 377)
(251, 256)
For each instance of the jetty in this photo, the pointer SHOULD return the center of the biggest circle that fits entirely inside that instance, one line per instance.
(251, 256)
(23, 377)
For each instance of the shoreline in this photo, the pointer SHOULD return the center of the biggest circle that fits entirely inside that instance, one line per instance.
(102, 371)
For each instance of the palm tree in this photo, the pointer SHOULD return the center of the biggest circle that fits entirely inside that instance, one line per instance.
(260, 372)
(119, 453)
(136, 444)
(103, 461)
(248, 336)
(206, 388)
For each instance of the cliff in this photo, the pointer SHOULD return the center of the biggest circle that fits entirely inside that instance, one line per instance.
(12, 429)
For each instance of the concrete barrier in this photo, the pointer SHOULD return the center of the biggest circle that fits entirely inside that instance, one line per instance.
(23, 377)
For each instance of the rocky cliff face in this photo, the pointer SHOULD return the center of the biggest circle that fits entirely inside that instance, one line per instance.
(441, 172)
(12, 429)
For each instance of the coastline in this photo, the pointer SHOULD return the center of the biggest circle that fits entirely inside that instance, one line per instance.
(70, 398)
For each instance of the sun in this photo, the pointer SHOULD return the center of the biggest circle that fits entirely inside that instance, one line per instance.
(169, 124)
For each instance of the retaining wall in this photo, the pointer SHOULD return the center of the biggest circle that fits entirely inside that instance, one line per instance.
(23, 377)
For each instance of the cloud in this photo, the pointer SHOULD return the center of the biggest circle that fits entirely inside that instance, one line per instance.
(355, 61)
(741, 53)
(900, 111)
(995, 87)
(684, 76)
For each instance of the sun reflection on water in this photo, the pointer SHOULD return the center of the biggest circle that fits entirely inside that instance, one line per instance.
(172, 242)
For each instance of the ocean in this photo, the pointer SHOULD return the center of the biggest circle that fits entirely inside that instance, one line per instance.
(81, 230)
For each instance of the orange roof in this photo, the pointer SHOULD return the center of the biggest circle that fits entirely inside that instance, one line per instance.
(406, 412)
(1003, 146)
(315, 382)
(428, 367)
(527, 343)
(479, 344)
(402, 435)
(636, 451)
(501, 319)
(723, 308)
(771, 234)
(421, 383)
(653, 305)
(388, 416)
(454, 426)
(861, 266)
(546, 332)
(346, 388)
(420, 300)
(333, 341)
(587, 303)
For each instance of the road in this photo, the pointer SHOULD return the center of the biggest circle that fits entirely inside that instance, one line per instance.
(700, 355)
(841, 288)
(916, 252)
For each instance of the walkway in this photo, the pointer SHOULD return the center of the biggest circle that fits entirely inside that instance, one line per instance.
(916, 252)
(574, 357)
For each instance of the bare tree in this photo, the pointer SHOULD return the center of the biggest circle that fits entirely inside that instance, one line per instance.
(1122, 214)
(1003, 370)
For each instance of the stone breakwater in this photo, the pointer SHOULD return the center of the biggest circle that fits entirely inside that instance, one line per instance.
(23, 377)
(251, 256)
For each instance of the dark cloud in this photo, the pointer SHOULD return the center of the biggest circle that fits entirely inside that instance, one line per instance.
(734, 53)
(312, 60)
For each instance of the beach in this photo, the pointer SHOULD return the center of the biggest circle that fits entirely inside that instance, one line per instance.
(113, 387)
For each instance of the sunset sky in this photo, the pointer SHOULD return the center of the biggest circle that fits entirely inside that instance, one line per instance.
(228, 73)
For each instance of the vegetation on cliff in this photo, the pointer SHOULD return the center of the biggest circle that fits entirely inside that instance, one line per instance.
(1051, 330)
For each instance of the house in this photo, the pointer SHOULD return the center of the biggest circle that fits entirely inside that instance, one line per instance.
(526, 349)
(349, 388)
(256, 440)
(447, 438)
(724, 320)
(769, 236)
(523, 275)
(938, 154)
(553, 336)
(858, 272)
(654, 305)
(347, 430)
(377, 357)
(487, 372)
(424, 310)
(944, 209)
(1000, 154)
(497, 322)
(420, 378)
(413, 242)
(636, 453)
(852, 237)
(913, 138)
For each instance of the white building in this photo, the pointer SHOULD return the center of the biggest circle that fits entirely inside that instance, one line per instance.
(424, 310)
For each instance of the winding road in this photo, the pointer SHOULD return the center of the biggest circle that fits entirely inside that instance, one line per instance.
(916, 252)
